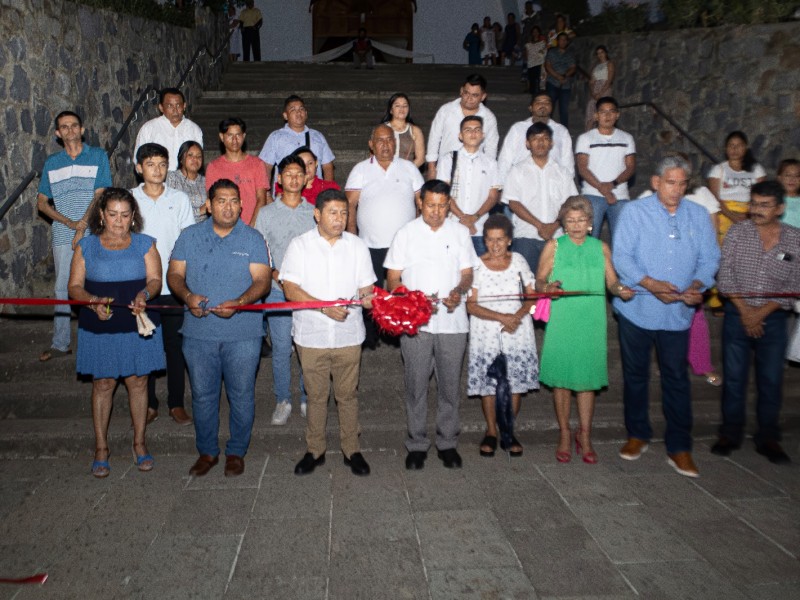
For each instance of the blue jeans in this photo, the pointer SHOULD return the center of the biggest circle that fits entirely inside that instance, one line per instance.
(561, 97)
(209, 363)
(479, 245)
(601, 208)
(768, 350)
(530, 249)
(636, 345)
(280, 332)
(62, 259)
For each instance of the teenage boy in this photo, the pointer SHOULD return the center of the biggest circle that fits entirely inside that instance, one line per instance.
(165, 212)
(248, 172)
(280, 222)
(474, 181)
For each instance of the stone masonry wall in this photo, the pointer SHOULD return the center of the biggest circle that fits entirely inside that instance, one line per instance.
(58, 55)
(710, 81)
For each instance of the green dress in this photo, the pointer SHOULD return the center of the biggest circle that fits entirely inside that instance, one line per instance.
(575, 350)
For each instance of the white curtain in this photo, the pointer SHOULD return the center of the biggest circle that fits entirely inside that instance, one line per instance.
(330, 55)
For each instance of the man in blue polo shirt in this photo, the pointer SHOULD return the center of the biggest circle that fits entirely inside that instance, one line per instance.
(73, 178)
(217, 266)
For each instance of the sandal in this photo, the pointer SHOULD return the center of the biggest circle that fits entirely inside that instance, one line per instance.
(491, 442)
(144, 462)
(509, 448)
(101, 468)
(50, 353)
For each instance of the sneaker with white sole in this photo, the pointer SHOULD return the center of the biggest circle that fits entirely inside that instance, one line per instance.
(281, 414)
(304, 409)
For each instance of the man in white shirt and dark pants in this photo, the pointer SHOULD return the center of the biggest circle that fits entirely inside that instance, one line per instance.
(171, 129)
(446, 125)
(534, 190)
(473, 179)
(328, 263)
(435, 255)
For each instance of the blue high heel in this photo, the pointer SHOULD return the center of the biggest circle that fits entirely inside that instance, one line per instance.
(101, 468)
(144, 462)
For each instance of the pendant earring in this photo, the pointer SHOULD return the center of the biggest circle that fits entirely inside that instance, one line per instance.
(590, 229)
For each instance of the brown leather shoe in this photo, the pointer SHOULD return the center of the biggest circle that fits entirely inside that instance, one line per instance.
(180, 416)
(633, 449)
(203, 465)
(682, 463)
(152, 415)
(234, 465)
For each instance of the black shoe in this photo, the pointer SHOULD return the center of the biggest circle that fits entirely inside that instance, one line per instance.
(416, 460)
(774, 453)
(450, 458)
(308, 464)
(724, 446)
(357, 464)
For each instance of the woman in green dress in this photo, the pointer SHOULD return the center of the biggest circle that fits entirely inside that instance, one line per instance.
(574, 353)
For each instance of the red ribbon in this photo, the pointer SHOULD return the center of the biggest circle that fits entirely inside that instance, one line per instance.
(39, 578)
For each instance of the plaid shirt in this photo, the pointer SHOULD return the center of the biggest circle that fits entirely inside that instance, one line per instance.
(746, 268)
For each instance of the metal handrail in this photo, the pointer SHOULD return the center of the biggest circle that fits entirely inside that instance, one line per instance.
(149, 93)
(681, 130)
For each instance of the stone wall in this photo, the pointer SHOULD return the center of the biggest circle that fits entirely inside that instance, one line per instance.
(57, 55)
(711, 82)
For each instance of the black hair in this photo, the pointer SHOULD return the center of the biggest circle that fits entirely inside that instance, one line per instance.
(67, 113)
(786, 163)
(475, 79)
(606, 100)
(434, 186)
(769, 189)
(469, 118)
(327, 196)
(498, 221)
(222, 184)
(110, 194)
(538, 128)
(170, 90)
(185, 147)
(304, 150)
(291, 159)
(392, 99)
(151, 150)
(604, 49)
(748, 160)
(226, 124)
(292, 98)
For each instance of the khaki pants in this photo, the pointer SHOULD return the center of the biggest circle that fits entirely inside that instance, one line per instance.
(320, 365)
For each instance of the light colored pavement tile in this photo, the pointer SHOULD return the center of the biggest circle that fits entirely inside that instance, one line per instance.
(377, 568)
(777, 518)
(436, 487)
(288, 496)
(463, 539)
(478, 584)
(266, 586)
(210, 512)
(725, 480)
(680, 579)
(771, 591)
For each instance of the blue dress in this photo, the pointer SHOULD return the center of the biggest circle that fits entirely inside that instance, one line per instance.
(114, 348)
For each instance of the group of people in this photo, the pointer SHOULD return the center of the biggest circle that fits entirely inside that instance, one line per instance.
(276, 226)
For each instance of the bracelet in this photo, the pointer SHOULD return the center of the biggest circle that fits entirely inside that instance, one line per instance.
(146, 294)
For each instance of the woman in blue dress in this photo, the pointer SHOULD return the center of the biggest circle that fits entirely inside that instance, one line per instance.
(116, 265)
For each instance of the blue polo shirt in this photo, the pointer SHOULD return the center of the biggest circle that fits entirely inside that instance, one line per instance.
(677, 248)
(72, 183)
(219, 268)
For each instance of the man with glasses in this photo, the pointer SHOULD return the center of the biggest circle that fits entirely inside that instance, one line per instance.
(606, 160)
(759, 255)
(172, 128)
(666, 250)
(446, 126)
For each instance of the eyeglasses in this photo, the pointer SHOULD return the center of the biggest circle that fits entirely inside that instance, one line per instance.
(579, 221)
(763, 204)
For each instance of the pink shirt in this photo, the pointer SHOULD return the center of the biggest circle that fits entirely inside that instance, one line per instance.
(249, 174)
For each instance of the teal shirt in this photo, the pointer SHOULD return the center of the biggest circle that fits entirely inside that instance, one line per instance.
(791, 212)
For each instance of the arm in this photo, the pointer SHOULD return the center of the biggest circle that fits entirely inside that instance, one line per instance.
(612, 281)
(545, 269)
(605, 188)
(83, 224)
(419, 146)
(434, 143)
(546, 230)
(394, 279)
(261, 275)
(715, 185)
(43, 204)
(176, 279)
(152, 267)
(353, 197)
(327, 171)
(77, 279)
(294, 293)
(464, 285)
(470, 220)
(612, 71)
(261, 200)
(510, 321)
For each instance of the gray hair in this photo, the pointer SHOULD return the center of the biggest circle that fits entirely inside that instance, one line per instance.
(580, 203)
(673, 162)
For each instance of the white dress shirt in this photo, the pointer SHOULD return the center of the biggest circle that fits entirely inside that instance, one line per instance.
(514, 149)
(161, 131)
(475, 175)
(446, 126)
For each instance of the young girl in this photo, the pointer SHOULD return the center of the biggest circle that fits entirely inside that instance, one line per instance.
(535, 51)
(789, 176)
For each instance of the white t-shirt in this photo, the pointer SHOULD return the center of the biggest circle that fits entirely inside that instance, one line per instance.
(606, 158)
(328, 273)
(164, 219)
(475, 175)
(432, 261)
(541, 191)
(387, 200)
(514, 149)
(735, 185)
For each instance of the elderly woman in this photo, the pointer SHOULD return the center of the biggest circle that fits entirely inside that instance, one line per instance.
(410, 141)
(574, 353)
(500, 325)
(189, 178)
(116, 264)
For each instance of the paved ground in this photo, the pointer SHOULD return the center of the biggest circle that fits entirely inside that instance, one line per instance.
(498, 528)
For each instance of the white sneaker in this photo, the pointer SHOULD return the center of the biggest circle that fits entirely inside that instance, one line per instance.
(281, 414)
(303, 409)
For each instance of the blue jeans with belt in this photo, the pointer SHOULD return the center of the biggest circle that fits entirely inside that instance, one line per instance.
(636, 345)
(768, 350)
